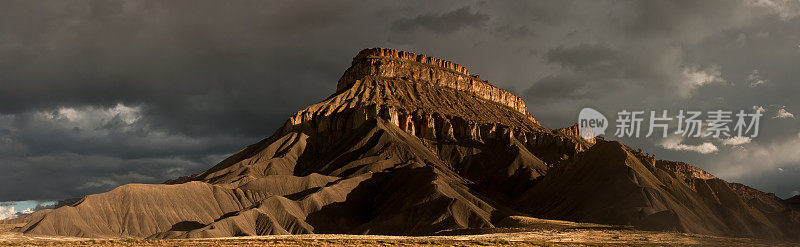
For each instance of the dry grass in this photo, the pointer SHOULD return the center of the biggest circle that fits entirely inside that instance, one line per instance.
(552, 237)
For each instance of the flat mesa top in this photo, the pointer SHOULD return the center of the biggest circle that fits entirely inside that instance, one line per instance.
(439, 72)
(420, 58)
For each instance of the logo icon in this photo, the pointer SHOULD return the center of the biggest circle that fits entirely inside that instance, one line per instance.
(591, 123)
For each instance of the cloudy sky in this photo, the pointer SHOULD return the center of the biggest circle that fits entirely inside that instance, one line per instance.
(95, 94)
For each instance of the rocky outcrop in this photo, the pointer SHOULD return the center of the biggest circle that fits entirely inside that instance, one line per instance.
(762, 200)
(683, 168)
(419, 68)
(435, 100)
(440, 128)
(574, 132)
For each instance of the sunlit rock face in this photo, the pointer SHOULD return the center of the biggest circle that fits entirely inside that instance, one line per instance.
(390, 63)
(435, 100)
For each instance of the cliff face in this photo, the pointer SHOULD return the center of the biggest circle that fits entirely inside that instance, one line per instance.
(683, 168)
(435, 100)
(390, 63)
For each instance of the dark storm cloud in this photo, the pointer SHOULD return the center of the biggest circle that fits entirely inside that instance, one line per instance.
(683, 19)
(114, 137)
(584, 57)
(553, 88)
(94, 94)
(61, 176)
(170, 56)
(442, 23)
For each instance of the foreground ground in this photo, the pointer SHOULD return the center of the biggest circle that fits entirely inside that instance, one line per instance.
(545, 233)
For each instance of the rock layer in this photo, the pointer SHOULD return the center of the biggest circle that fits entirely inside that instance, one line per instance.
(684, 169)
(390, 63)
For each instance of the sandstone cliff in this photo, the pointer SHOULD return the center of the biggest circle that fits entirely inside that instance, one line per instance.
(435, 100)
(684, 169)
